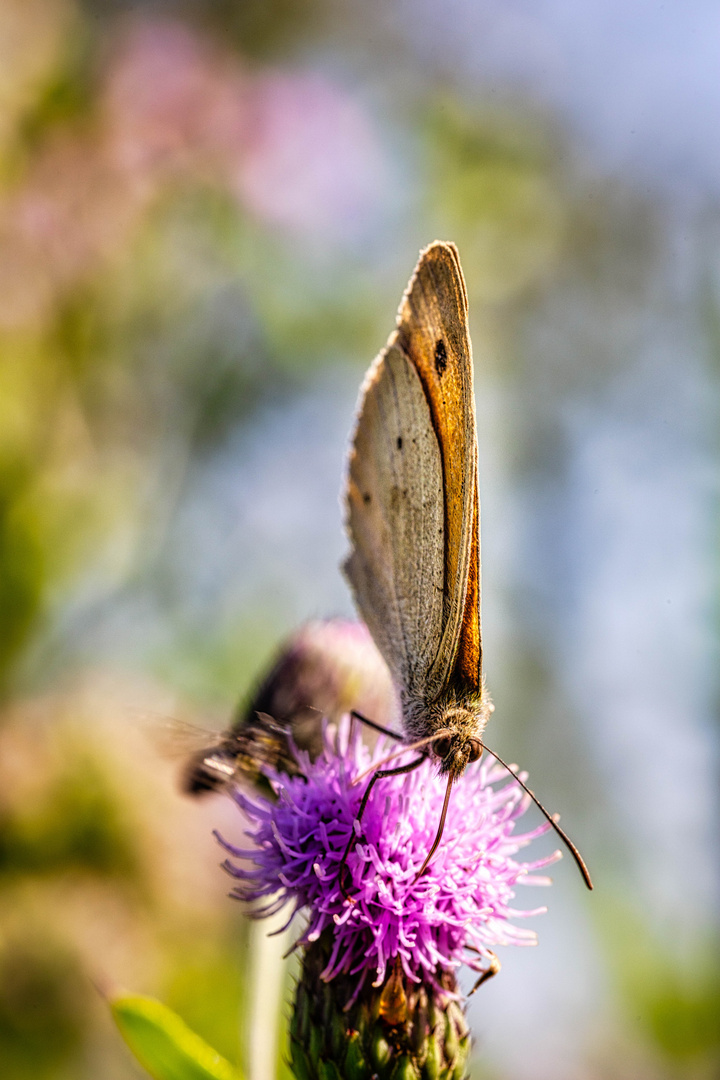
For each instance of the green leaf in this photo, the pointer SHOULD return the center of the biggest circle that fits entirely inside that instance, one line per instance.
(164, 1044)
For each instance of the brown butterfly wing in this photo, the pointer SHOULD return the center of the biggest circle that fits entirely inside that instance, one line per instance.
(395, 520)
(433, 332)
(412, 490)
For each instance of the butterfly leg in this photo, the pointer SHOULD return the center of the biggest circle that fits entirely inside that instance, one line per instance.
(379, 775)
(373, 724)
(489, 972)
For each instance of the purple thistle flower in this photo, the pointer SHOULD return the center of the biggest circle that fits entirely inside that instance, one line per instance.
(455, 914)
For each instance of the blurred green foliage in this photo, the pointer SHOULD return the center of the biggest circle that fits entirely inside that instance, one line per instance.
(21, 556)
(492, 180)
(208, 988)
(43, 1006)
(675, 995)
(77, 825)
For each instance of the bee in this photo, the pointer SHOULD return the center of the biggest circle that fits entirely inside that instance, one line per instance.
(326, 669)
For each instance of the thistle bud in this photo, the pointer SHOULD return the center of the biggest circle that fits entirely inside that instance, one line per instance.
(400, 1029)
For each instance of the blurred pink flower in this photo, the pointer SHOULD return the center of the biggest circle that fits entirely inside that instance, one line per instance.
(169, 107)
(72, 211)
(296, 150)
(311, 161)
(172, 102)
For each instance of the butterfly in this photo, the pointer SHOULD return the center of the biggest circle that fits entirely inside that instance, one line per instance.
(413, 521)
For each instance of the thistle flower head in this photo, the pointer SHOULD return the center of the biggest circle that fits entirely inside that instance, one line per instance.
(454, 914)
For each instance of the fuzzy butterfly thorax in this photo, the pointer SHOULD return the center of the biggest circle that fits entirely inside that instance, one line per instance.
(459, 721)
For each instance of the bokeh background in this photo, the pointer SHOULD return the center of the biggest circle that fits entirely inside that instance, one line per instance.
(208, 212)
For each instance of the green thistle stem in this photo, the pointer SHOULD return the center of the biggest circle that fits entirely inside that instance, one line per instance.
(398, 1031)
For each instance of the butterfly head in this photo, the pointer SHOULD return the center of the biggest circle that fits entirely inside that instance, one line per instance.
(454, 754)
(459, 743)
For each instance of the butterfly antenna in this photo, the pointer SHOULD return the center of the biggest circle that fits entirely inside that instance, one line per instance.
(561, 832)
(441, 827)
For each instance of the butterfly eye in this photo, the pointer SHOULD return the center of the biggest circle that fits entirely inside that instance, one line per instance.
(443, 746)
(476, 749)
